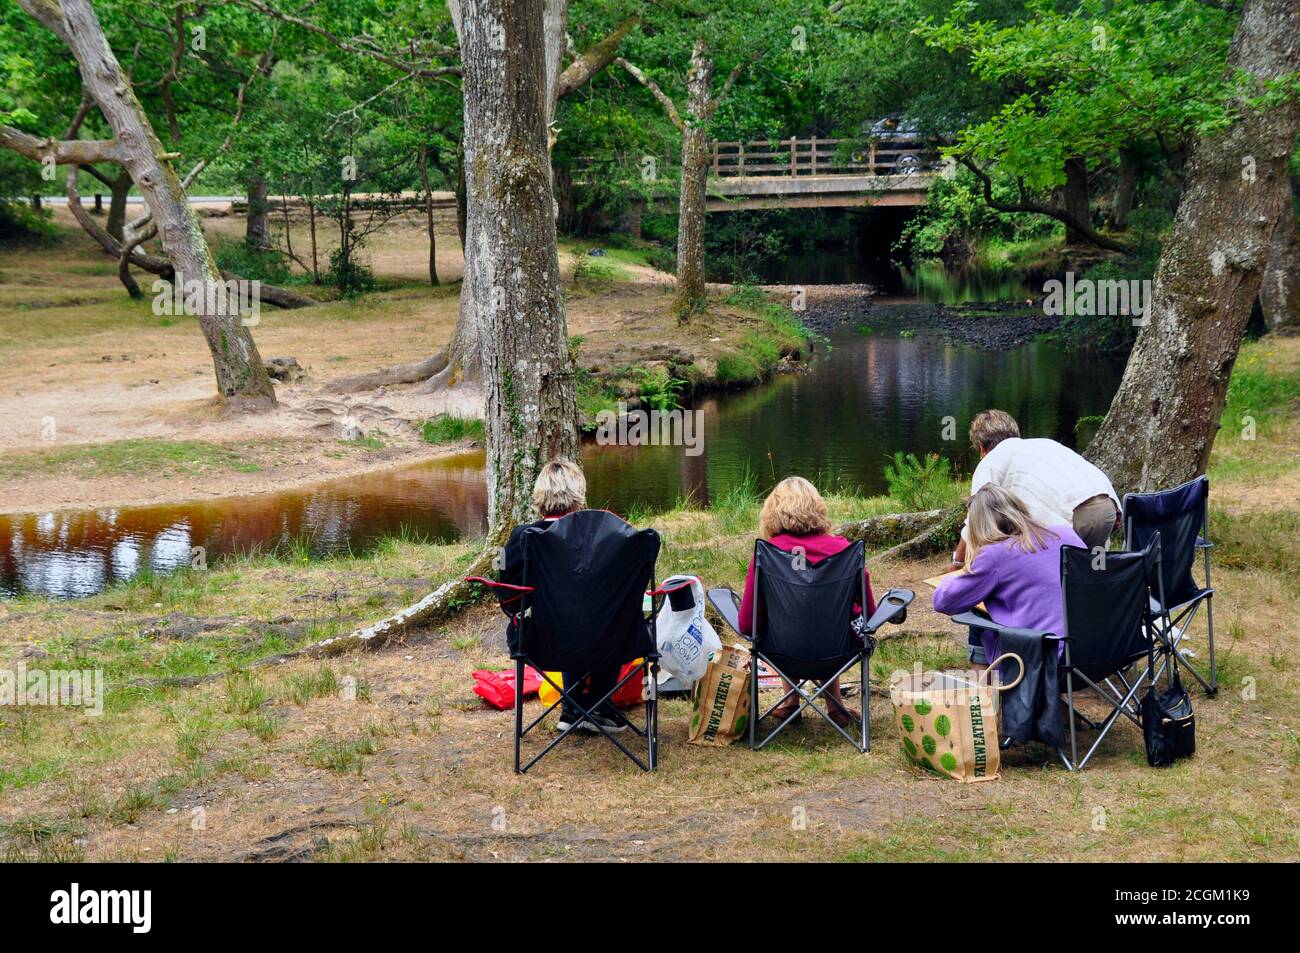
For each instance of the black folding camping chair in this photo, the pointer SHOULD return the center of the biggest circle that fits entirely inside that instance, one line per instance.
(1109, 612)
(1180, 518)
(579, 608)
(802, 629)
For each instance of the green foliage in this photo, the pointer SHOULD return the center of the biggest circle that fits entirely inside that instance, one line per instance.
(956, 217)
(658, 390)
(261, 264)
(920, 484)
(1087, 78)
(449, 428)
(350, 276)
(593, 272)
(20, 223)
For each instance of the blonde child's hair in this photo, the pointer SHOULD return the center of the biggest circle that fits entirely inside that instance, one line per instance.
(560, 488)
(794, 506)
(996, 514)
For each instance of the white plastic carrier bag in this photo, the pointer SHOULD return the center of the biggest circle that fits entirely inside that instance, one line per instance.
(685, 637)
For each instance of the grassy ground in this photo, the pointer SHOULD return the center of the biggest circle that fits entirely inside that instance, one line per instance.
(207, 750)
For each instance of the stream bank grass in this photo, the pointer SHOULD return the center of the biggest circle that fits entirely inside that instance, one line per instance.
(158, 458)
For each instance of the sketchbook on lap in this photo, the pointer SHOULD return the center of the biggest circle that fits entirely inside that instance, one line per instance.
(935, 581)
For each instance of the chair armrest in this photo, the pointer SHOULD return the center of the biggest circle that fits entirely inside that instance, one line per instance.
(493, 584)
(977, 620)
(892, 607)
(504, 591)
(984, 622)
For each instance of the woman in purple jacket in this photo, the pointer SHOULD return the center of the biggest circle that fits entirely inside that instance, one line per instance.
(1013, 566)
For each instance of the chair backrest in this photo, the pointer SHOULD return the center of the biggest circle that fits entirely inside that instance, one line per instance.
(1178, 516)
(1106, 602)
(804, 608)
(589, 572)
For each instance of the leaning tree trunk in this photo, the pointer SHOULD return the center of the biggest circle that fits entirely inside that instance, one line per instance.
(242, 381)
(1162, 422)
(511, 261)
(1279, 291)
(257, 229)
(691, 293)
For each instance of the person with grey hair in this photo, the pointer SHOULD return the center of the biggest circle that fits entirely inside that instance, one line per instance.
(1055, 484)
(560, 489)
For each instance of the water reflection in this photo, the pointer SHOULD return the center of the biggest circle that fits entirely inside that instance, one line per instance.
(838, 423)
(78, 553)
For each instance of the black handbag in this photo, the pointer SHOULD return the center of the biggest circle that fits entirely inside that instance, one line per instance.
(1168, 724)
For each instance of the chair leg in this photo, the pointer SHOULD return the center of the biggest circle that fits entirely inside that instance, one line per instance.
(1074, 737)
(866, 706)
(519, 712)
(753, 699)
(652, 716)
(1213, 688)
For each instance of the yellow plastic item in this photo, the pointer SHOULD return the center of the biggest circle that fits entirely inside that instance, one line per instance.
(549, 696)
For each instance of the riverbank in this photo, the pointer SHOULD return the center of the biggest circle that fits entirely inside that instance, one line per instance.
(209, 748)
(103, 402)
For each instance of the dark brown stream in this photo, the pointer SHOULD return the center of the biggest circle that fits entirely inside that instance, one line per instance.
(837, 424)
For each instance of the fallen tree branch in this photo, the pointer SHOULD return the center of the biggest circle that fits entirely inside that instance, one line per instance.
(437, 606)
(939, 537)
(1039, 208)
(891, 528)
(411, 373)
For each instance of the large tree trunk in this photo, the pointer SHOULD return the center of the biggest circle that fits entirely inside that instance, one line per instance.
(1279, 291)
(242, 381)
(691, 293)
(1162, 422)
(1076, 200)
(257, 230)
(511, 261)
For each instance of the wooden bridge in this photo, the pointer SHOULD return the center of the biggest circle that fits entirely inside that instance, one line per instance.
(819, 173)
(794, 173)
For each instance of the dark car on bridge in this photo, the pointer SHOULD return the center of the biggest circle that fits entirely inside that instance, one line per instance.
(898, 146)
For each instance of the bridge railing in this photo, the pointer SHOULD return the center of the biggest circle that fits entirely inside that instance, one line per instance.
(814, 156)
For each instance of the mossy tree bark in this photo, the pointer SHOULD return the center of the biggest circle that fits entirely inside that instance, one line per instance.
(464, 357)
(701, 104)
(242, 381)
(512, 262)
(1162, 422)
(1279, 291)
(691, 210)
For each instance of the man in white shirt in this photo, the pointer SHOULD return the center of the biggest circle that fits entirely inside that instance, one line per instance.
(1057, 485)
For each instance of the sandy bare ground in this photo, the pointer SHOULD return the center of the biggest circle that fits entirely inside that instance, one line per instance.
(80, 363)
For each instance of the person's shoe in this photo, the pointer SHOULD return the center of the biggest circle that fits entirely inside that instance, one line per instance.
(601, 722)
(592, 723)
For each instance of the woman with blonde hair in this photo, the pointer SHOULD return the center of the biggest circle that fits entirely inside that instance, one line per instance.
(560, 489)
(1012, 565)
(794, 516)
